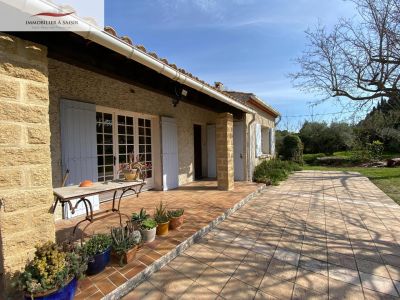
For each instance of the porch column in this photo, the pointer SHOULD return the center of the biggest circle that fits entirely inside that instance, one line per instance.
(224, 136)
(25, 162)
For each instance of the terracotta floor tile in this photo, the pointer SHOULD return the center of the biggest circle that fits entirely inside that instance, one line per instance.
(87, 292)
(134, 271)
(105, 286)
(96, 296)
(117, 279)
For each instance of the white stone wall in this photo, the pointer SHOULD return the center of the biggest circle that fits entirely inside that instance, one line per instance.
(265, 120)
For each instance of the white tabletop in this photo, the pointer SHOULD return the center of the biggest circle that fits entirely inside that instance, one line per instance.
(74, 191)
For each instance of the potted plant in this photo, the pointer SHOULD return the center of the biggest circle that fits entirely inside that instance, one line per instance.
(98, 250)
(138, 218)
(125, 241)
(134, 169)
(162, 219)
(52, 274)
(175, 218)
(148, 229)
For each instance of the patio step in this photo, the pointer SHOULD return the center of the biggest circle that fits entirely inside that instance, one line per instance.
(132, 283)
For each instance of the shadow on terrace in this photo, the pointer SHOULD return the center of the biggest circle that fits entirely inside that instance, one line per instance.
(203, 203)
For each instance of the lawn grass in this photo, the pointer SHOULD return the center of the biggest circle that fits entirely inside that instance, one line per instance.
(387, 179)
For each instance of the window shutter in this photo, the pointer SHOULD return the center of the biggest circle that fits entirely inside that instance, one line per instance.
(79, 148)
(272, 141)
(258, 140)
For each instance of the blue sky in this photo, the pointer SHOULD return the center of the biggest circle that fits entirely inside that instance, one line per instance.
(248, 45)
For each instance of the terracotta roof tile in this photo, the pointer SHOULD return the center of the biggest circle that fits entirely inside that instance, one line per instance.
(127, 39)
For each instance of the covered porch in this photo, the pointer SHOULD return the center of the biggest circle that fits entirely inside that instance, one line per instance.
(204, 205)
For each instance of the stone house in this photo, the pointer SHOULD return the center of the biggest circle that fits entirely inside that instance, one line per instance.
(83, 101)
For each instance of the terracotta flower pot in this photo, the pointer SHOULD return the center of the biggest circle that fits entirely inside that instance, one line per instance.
(162, 228)
(126, 257)
(175, 223)
(148, 235)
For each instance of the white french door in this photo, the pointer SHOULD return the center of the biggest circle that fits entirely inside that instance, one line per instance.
(120, 133)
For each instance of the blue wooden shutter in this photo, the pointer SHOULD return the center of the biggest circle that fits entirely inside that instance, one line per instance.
(170, 153)
(258, 140)
(272, 141)
(78, 141)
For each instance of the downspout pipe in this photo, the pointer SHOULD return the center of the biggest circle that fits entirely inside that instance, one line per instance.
(90, 32)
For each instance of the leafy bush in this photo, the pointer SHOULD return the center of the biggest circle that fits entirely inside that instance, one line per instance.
(323, 138)
(97, 244)
(51, 268)
(273, 171)
(292, 148)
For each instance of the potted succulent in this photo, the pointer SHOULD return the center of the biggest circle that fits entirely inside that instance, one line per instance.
(148, 229)
(162, 219)
(53, 273)
(175, 218)
(125, 241)
(98, 250)
(138, 218)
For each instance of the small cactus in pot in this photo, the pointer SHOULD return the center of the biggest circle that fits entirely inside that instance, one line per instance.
(176, 218)
(162, 219)
(124, 242)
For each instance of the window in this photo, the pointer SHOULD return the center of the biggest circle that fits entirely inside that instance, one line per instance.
(105, 148)
(265, 142)
(119, 134)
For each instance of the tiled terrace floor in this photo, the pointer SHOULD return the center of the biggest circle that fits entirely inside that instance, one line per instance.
(318, 235)
(202, 202)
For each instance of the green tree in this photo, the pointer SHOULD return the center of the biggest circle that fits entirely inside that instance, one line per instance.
(292, 148)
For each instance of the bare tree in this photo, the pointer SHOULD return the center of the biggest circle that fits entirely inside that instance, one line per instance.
(358, 59)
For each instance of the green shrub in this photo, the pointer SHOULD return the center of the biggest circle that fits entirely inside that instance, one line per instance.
(292, 148)
(375, 150)
(273, 171)
(312, 159)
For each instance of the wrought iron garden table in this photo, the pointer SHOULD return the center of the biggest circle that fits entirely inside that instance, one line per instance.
(66, 194)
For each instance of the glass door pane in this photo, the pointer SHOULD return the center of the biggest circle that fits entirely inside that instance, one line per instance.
(125, 139)
(145, 147)
(105, 148)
